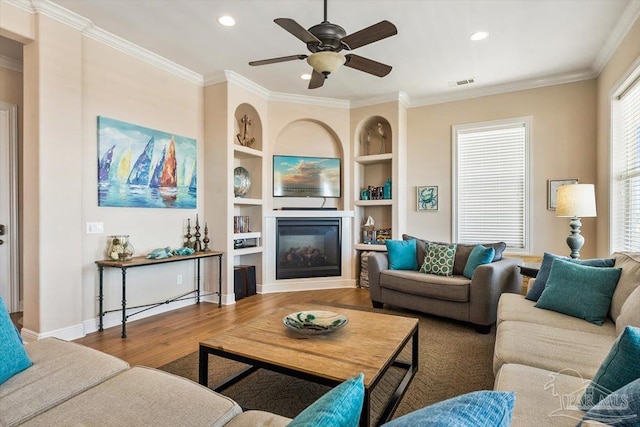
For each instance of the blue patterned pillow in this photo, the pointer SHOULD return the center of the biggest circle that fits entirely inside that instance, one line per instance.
(438, 259)
(13, 356)
(480, 408)
(402, 254)
(618, 369)
(545, 268)
(339, 407)
(479, 255)
(621, 408)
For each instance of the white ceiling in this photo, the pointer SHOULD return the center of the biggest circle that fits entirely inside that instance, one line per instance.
(529, 40)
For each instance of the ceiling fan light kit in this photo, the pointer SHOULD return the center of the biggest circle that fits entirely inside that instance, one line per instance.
(326, 62)
(326, 40)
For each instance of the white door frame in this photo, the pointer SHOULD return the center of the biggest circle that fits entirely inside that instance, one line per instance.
(9, 250)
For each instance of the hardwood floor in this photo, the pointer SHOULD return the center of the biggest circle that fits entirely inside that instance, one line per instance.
(158, 340)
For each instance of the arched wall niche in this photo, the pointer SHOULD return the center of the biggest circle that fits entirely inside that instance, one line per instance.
(373, 136)
(254, 129)
(308, 138)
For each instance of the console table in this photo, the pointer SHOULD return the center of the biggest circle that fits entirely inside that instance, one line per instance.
(141, 261)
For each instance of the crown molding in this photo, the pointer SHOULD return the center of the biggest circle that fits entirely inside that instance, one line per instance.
(400, 97)
(22, 4)
(10, 63)
(626, 21)
(505, 88)
(310, 100)
(245, 83)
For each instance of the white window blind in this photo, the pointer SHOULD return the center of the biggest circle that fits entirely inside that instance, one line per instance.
(626, 179)
(491, 184)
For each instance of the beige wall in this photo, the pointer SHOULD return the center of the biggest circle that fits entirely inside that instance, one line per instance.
(562, 146)
(616, 69)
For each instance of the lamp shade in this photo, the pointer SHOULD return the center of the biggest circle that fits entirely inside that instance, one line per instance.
(325, 62)
(576, 200)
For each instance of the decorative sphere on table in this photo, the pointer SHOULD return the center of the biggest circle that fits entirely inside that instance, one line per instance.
(241, 181)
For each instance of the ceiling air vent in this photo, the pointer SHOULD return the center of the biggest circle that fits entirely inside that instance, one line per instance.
(461, 82)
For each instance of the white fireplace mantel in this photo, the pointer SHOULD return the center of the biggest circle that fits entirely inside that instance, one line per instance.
(346, 280)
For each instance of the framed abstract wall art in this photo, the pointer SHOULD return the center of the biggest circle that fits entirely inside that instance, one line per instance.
(145, 168)
(427, 197)
(552, 191)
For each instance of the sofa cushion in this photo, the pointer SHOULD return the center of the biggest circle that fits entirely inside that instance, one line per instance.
(439, 259)
(143, 397)
(543, 398)
(630, 312)
(479, 408)
(339, 407)
(60, 371)
(630, 264)
(258, 419)
(480, 255)
(402, 254)
(550, 348)
(516, 307)
(621, 408)
(455, 288)
(579, 290)
(618, 369)
(545, 268)
(13, 356)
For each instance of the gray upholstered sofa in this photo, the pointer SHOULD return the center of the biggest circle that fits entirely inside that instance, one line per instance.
(548, 358)
(72, 385)
(472, 300)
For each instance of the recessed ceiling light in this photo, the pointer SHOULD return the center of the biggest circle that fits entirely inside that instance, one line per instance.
(306, 77)
(480, 35)
(227, 21)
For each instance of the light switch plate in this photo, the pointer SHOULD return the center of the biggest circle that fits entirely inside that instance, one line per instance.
(95, 227)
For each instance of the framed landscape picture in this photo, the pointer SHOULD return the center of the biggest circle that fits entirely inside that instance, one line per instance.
(427, 197)
(552, 191)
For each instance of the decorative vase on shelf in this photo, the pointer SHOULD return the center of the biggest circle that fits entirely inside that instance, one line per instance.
(241, 181)
(120, 248)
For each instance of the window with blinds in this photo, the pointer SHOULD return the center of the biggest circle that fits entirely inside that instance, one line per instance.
(625, 209)
(491, 184)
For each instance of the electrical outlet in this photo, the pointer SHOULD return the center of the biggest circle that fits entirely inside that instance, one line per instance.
(95, 227)
(179, 279)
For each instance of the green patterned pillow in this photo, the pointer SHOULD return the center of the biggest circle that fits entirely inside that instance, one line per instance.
(438, 259)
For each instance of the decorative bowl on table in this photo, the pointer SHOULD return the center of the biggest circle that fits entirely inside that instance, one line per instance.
(315, 322)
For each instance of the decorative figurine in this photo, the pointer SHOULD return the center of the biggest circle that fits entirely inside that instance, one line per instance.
(383, 139)
(244, 140)
(206, 238)
(188, 243)
(196, 243)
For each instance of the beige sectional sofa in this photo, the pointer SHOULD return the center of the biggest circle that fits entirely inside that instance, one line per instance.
(548, 358)
(72, 385)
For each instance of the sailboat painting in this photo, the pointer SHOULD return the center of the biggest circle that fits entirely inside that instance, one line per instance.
(145, 168)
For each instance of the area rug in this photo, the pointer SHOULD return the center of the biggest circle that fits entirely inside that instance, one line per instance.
(454, 359)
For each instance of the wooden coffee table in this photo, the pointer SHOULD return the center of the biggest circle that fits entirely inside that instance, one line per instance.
(370, 343)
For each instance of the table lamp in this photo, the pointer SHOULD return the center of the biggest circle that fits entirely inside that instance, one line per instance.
(576, 201)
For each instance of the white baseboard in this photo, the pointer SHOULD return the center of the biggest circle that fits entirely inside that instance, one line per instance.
(293, 285)
(69, 333)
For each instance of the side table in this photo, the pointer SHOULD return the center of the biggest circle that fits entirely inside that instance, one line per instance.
(529, 269)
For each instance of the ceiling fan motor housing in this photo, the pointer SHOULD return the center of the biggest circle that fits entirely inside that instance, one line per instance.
(329, 34)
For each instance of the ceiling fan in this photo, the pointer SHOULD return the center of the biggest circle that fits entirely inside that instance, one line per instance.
(326, 40)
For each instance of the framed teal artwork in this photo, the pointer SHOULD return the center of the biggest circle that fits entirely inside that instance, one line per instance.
(427, 198)
(140, 167)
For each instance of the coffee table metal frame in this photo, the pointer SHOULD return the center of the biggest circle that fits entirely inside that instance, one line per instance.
(365, 417)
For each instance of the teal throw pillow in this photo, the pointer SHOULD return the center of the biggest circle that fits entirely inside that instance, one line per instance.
(339, 407)
(479, 408)
(579, 290)
(13, 356)
(438, 259)
(479, 255)
(618, 369)
(402, 254)
(621, 408)
(545, 268)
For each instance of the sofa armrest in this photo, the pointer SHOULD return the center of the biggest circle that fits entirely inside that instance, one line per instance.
(376, 264)
(489, 281)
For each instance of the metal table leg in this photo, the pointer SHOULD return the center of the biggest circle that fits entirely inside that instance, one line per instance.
(124, 302)
(100, 298)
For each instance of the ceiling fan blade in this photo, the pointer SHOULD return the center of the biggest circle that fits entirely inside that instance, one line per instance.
(297, 30)
(367, 65)
(317, 80)
(379, 31)
(276, 60)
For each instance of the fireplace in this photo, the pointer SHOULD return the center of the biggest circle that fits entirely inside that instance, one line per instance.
(308, 247)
